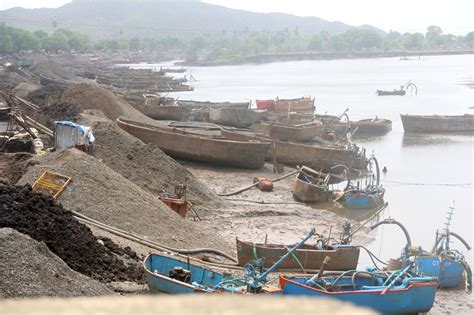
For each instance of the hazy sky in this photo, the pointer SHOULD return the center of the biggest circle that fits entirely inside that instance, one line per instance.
(454, 16)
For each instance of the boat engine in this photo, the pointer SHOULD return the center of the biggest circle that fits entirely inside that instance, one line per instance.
(180, 274)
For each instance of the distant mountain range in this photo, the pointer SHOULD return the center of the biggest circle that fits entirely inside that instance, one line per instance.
(157, 18)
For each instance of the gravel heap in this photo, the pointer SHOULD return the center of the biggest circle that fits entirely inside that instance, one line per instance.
(143, 164)
(100, 193)
(52, 69)
(13, 166)
(44, 220)
(29, 269)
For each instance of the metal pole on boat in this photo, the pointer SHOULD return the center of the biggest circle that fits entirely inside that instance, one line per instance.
(253, 285)
(316, 277)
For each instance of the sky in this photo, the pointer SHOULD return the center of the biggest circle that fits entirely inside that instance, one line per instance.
(453, 16)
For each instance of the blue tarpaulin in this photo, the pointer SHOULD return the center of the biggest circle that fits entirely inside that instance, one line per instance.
(86, 131)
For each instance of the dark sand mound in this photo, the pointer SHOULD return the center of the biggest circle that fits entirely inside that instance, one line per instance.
(13, 166)
(44, 220)
(29, 269)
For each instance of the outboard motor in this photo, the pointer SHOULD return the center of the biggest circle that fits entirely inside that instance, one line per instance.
(180, 274)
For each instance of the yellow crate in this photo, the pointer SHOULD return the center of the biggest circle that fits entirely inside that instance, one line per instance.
(51, 184)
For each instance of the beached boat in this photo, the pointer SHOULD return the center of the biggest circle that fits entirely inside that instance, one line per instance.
(313, 186)
(236, 117)
(200, 104)
(47, 80)
(338, 125)
(388, 93)
(376, 126)
(186, 145)
(314, 156)
(395, 294)
(343, 257)
(165, 112)
(301, 105)
(300, 132)
(371, 195)
(169, 275)
(438, 123)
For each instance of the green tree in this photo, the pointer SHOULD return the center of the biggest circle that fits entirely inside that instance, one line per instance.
(393, 41)
(6, 43)
(316, 43)
(40, 34)
(412, 41)
(134, 43)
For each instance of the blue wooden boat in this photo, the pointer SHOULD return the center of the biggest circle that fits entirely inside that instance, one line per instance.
(370, 196)
(170, 275)
(448, 265)
(392, 295)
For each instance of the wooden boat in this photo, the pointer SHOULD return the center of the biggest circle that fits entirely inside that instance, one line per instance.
(199, 104)
(388, 93)
(334, 124)
(374, 126)
(314, 156)
(48, 80)
(169, 275)
(301, 105)
(313, 186)
(236, 117)
(186, 145)
(438, 123)
(165, 112)
(400, 294)
(299, 132)
(343, 257)
(265, 104)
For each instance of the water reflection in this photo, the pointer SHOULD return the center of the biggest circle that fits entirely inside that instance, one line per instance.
(359, 215)
(422, 139)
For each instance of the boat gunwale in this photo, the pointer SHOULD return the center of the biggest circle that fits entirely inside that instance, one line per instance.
(282, 247)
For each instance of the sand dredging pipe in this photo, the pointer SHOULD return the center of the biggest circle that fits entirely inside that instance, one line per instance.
(146, 242)
(392, 221)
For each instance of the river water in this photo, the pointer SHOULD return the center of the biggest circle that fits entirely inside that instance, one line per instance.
(426, 173)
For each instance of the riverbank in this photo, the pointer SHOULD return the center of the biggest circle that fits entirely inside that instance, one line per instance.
(279, 57)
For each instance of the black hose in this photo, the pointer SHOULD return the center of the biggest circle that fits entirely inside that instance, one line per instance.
(463, 241)
(392, 221)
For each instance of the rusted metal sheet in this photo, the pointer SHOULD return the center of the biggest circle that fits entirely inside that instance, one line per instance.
(300, 105)
(301, 132)
(166, 112)
(186, 145)
(311, 258)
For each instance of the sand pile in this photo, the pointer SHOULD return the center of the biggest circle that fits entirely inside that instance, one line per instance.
(13, 166)
(52, 69)
(44, 220)
(102, 194)
(29, 269)
(143, 164)
(84, 97)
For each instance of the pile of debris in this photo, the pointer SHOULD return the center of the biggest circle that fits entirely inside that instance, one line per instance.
(29, 269)
(44, 220)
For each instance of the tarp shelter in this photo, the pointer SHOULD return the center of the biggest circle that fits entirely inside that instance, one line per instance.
(70, 135)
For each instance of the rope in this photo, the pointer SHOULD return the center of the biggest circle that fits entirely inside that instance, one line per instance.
(429, 184)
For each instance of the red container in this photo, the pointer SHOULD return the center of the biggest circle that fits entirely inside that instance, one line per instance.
(266, 104)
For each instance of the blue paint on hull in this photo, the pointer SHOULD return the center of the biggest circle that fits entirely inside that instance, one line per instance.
(448, 271)
(409, 298)
(364, 200)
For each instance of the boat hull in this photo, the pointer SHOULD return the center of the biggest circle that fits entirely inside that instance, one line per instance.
(303, 132)
(300, 105)
(185, 145)
(177, 113)
(342, 258)
(389, 93)
(293, 154)
(198, 104)
(372, 126)
(448, 271)
(236, 117)
(415, 123)
(307, 192)
(416, 298)
(363, 200)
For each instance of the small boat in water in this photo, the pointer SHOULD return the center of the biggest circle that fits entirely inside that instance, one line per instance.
(192, 146)
(396, 293)
(393, 92)
(374, 126)
(370, 196)
(235, 117)
(437, 123)
(299, 132)
(170, 275)
(307, 257)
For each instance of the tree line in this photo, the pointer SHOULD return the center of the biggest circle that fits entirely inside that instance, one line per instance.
(237, 43)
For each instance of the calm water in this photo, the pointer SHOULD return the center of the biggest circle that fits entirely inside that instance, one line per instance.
(431, 160)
